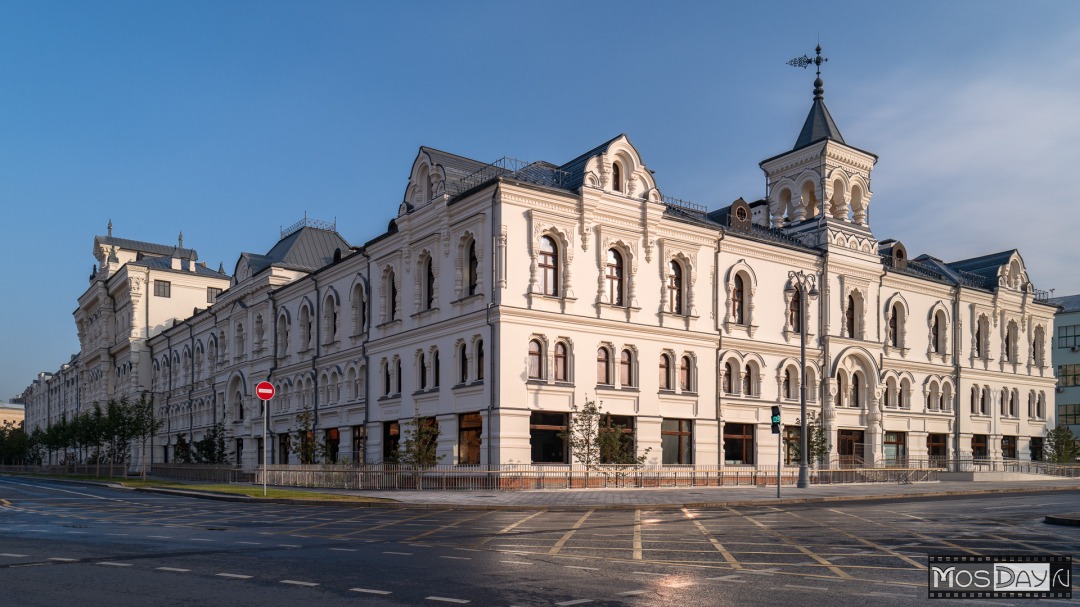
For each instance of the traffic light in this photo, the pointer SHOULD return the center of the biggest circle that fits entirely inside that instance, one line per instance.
(776, 420)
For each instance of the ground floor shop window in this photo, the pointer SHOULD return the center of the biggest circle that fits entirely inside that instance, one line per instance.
(283, 449)
(391, 436)
(470, 426)
(1035, 446)
(792, 444)
(738, 443)
(545, 436)
(358, 436)
(850, 445)
(937, 448)
(262, 452)
(978, 446)
(239, 452)
(676, 438)
(1008, 447)
(331, 443)
(617, 444)
(895, 448)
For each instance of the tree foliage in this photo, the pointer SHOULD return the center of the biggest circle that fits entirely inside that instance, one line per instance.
(595, 439)
(817, 442)
(303, 444)
(210, 449)
(420, 448)
(1060, 446)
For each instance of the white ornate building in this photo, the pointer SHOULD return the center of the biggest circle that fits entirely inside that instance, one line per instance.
(503, 295)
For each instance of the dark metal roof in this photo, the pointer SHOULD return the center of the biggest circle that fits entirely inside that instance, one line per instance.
(306, 249)
(986, 266)
(1068, 303)
(146, 247)
(575, 169)
(165, 263)
(456, 167)
(819, 125)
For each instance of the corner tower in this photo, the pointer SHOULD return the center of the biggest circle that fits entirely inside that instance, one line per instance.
(819, 191)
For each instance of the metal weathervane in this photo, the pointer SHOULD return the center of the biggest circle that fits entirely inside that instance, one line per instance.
(816, 61)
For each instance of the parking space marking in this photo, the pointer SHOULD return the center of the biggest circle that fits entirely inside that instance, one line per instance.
(712, 540)
(173, 569)
(235, 576)
(456, 523)
(298, 583)
(370, 591)
(566, 536)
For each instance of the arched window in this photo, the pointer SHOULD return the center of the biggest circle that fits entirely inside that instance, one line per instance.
(1003, 404)
(429, 284)
(1010, 343)
(849, 316)
(479, 360)
(387, 380)
(463, 364)
(626, 368)
(748, 381)
(685, 374)
(665, 372)
(603, 366)
(359, 305)
(549, 266)
(435, 369)
(397, 375)
(282, 338)
(1040, 406)
(790, 386)
(1014, 404)
(473, 270)
(731, 375)
(856, 392)
(536, 359)
(794, 318)
(421, 365)
(392, 296)
(329, 320)
(560, 362)
(674, 287)
(981, 344)
(984, 402)
(614, 278)
(937, 333)
(975, 399)
(895, 325)
(616, 177)
(738, 311)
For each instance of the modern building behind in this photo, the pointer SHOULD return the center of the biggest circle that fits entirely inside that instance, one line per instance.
(1067, 361)
(11, 414)
(503, 296)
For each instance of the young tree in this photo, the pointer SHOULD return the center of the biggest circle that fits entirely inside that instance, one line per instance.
(182, 453)
(817, 442)
(1060, 446)
(140, 424)
(210, 449)
(419, 450)
(303, 444)
(595, 439)
(582, 436)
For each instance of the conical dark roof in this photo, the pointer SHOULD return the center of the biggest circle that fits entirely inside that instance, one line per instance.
(819, 125)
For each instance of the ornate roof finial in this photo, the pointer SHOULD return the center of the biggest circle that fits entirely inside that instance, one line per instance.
(110, 228)
(181, 240)
(819, 90)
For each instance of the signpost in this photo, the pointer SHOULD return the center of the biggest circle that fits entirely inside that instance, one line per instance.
(265, 391)
(779, 441)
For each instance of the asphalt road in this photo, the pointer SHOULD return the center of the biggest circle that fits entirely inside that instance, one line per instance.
(64, 544)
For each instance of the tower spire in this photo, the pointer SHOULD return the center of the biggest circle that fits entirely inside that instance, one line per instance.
(819, 90)
(819, 124)
(110, 228)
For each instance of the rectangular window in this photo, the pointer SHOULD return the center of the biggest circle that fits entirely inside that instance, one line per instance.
(212, 294)
(738, 443)
(1068, 415)
(358, 439)
(1008, 447)
(895, 448)
(1068, 375)
(676, 439)
(978, 446)
(1068, 336)
(1035, 445)
(470, 426)
(937, 448)
(617, 441)
(162, 288)
(391, 436)
(545, 437)
(331, 442)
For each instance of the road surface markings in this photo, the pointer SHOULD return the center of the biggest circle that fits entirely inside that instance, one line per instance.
(161, 537)
(447, 526)
(800, 587)
(251, 543)
(461, 549)
(648, 573)
(793, 543)
(517, 562)
(173, 569)
(111, 564)
(200, 539)
(922, 536)
(727, 578)
(583, 568)
(14, 556)
(399, 553)
(631, 593)
(298, 583)
(384, 524)
(370, 591)
(637, 535)
(574, 602)
(447, 600)
(712, 540)
(61, 559)
(76, 532)
(289, 546)
(457, 558)
(345, 549)
(235, 576)
(566, 536)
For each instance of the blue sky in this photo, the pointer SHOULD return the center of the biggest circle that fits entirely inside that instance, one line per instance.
(228, 120)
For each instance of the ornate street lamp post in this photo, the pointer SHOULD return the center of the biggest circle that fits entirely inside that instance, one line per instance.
(806, 285)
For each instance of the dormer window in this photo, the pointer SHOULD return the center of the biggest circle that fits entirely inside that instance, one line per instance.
(616, 177)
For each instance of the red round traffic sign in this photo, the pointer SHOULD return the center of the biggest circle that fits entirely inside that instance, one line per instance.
(265, 390)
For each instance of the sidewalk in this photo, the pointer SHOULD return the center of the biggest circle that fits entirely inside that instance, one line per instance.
(699, 497)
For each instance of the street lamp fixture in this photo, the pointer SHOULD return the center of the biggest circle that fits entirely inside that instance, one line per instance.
(806, 285)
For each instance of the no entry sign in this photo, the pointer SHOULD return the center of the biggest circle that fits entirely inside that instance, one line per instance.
(265, 390)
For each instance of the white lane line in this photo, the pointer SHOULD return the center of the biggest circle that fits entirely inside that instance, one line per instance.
(200, 539)
(517, 562)
(584, 568)
(173, 569)
(109, 564)
(14, 556)
(76, 533)
(118, 534)
(648, 573)
(631, 593)
(369, 591)
(1002, 508)
(298, 583)
(399, 553)
(727, 578)
(161, 537)
(805, 587)
(288, 545)
(235, 576)
(345, 549)
(461, 549)
(447, 600)
(61, 559)
(457, 558)
(251, 543)
(575, 602)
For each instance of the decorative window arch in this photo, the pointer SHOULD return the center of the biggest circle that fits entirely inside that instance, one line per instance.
(562, 361)
(397, 374)
(427, 288)
(557, 281)
(548, 259)
(1009, 344)
(627, 376)
(750, 384)
(794, 319)
(614, 278)
(854, 304)
(980, 338)
(391, 304)
(939, 331)
(687, 381)
(359, 308)
(305, 327)
(740, 302)
(283, 334)
(536, 359)
(856, 390)
(463, 362)
(421, 370)
(478, 347)
(330, 317)
(436, 370)
(603, 366)
(666, 369)
(897, 314)
(616, 177)
(790, 386)
(675, 293)
(388, 384)
(1038, 346)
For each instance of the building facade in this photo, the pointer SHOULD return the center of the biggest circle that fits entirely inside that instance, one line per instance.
(503, 296)
(1066, 360)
